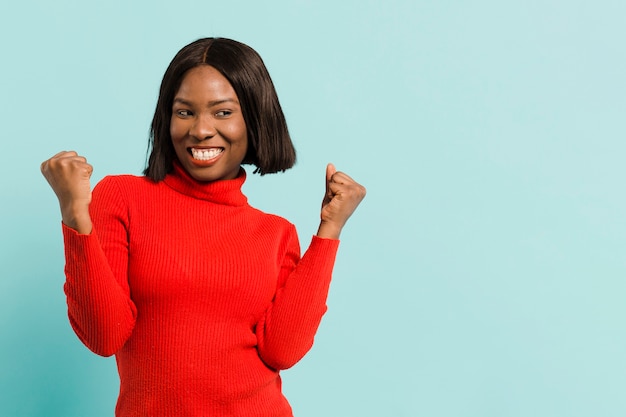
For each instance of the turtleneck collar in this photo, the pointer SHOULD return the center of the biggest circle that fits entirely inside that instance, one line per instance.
(227, 192)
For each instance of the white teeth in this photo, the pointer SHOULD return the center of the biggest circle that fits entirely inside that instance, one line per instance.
(205, 154)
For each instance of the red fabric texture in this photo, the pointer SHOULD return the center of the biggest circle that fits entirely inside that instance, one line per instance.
(201, 298)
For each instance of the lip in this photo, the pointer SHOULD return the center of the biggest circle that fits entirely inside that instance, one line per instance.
(207, 162)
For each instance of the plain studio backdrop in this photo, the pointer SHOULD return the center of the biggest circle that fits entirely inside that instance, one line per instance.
(483, 275)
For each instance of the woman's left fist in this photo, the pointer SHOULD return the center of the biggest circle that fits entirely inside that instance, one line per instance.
(343, 195)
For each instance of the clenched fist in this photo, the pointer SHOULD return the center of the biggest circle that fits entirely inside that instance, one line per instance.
(68, 174)
(342, 197)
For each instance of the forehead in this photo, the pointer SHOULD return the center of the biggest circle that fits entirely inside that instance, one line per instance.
(205, 81)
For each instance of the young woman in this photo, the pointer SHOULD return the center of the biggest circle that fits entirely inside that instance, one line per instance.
(202, 298)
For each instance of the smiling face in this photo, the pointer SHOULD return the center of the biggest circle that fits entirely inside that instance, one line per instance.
(207, 127)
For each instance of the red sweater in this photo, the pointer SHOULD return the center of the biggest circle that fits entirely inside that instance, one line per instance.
(201, 298)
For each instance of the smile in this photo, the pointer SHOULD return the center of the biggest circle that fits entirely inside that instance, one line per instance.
(205, 154)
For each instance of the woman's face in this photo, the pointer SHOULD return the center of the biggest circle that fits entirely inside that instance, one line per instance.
(207, 127)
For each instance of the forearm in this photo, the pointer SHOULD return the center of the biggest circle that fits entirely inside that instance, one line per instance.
(100, 310)
(288, 328)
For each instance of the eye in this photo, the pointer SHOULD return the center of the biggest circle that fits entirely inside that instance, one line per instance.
(183, 113)
(223, 113)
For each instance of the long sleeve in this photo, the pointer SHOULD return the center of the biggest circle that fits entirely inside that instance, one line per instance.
(201, 297)
(286, 332)
(98, 296)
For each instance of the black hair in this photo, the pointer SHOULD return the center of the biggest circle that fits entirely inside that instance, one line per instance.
(269, 145)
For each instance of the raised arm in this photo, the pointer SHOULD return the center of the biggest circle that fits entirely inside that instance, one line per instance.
(98, 298)
(286, 331)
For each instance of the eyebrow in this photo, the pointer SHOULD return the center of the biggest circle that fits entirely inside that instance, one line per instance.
(210, 103)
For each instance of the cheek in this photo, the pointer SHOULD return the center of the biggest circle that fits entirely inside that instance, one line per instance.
(177, 131)
(240, 132)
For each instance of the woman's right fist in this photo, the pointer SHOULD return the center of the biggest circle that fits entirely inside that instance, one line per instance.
(68, 174)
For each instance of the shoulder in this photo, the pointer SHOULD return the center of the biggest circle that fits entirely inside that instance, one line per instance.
(123, 185)
(125, 181)
(270, 218)
(272, 225)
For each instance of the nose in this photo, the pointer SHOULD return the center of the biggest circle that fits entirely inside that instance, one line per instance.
(202, 128)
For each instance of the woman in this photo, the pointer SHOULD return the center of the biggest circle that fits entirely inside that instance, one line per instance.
(201, 298)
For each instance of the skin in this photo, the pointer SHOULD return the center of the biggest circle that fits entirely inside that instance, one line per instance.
(206, 115)
(342, 197)
(68, 174)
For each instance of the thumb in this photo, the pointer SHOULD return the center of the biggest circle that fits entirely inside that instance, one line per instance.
(330, 171)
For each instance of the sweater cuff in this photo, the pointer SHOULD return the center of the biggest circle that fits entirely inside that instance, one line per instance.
(68, 230)
(74, 240)
(324, 246)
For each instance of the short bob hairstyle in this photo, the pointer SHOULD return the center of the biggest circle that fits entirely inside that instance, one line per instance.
(269, 145)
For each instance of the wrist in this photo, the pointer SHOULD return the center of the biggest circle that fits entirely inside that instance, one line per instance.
(328, 230)
(76, 216)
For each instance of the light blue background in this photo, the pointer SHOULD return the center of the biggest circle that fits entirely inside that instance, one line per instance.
(484, 275)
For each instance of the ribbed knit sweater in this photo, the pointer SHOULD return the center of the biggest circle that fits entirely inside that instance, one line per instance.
(201, 298)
